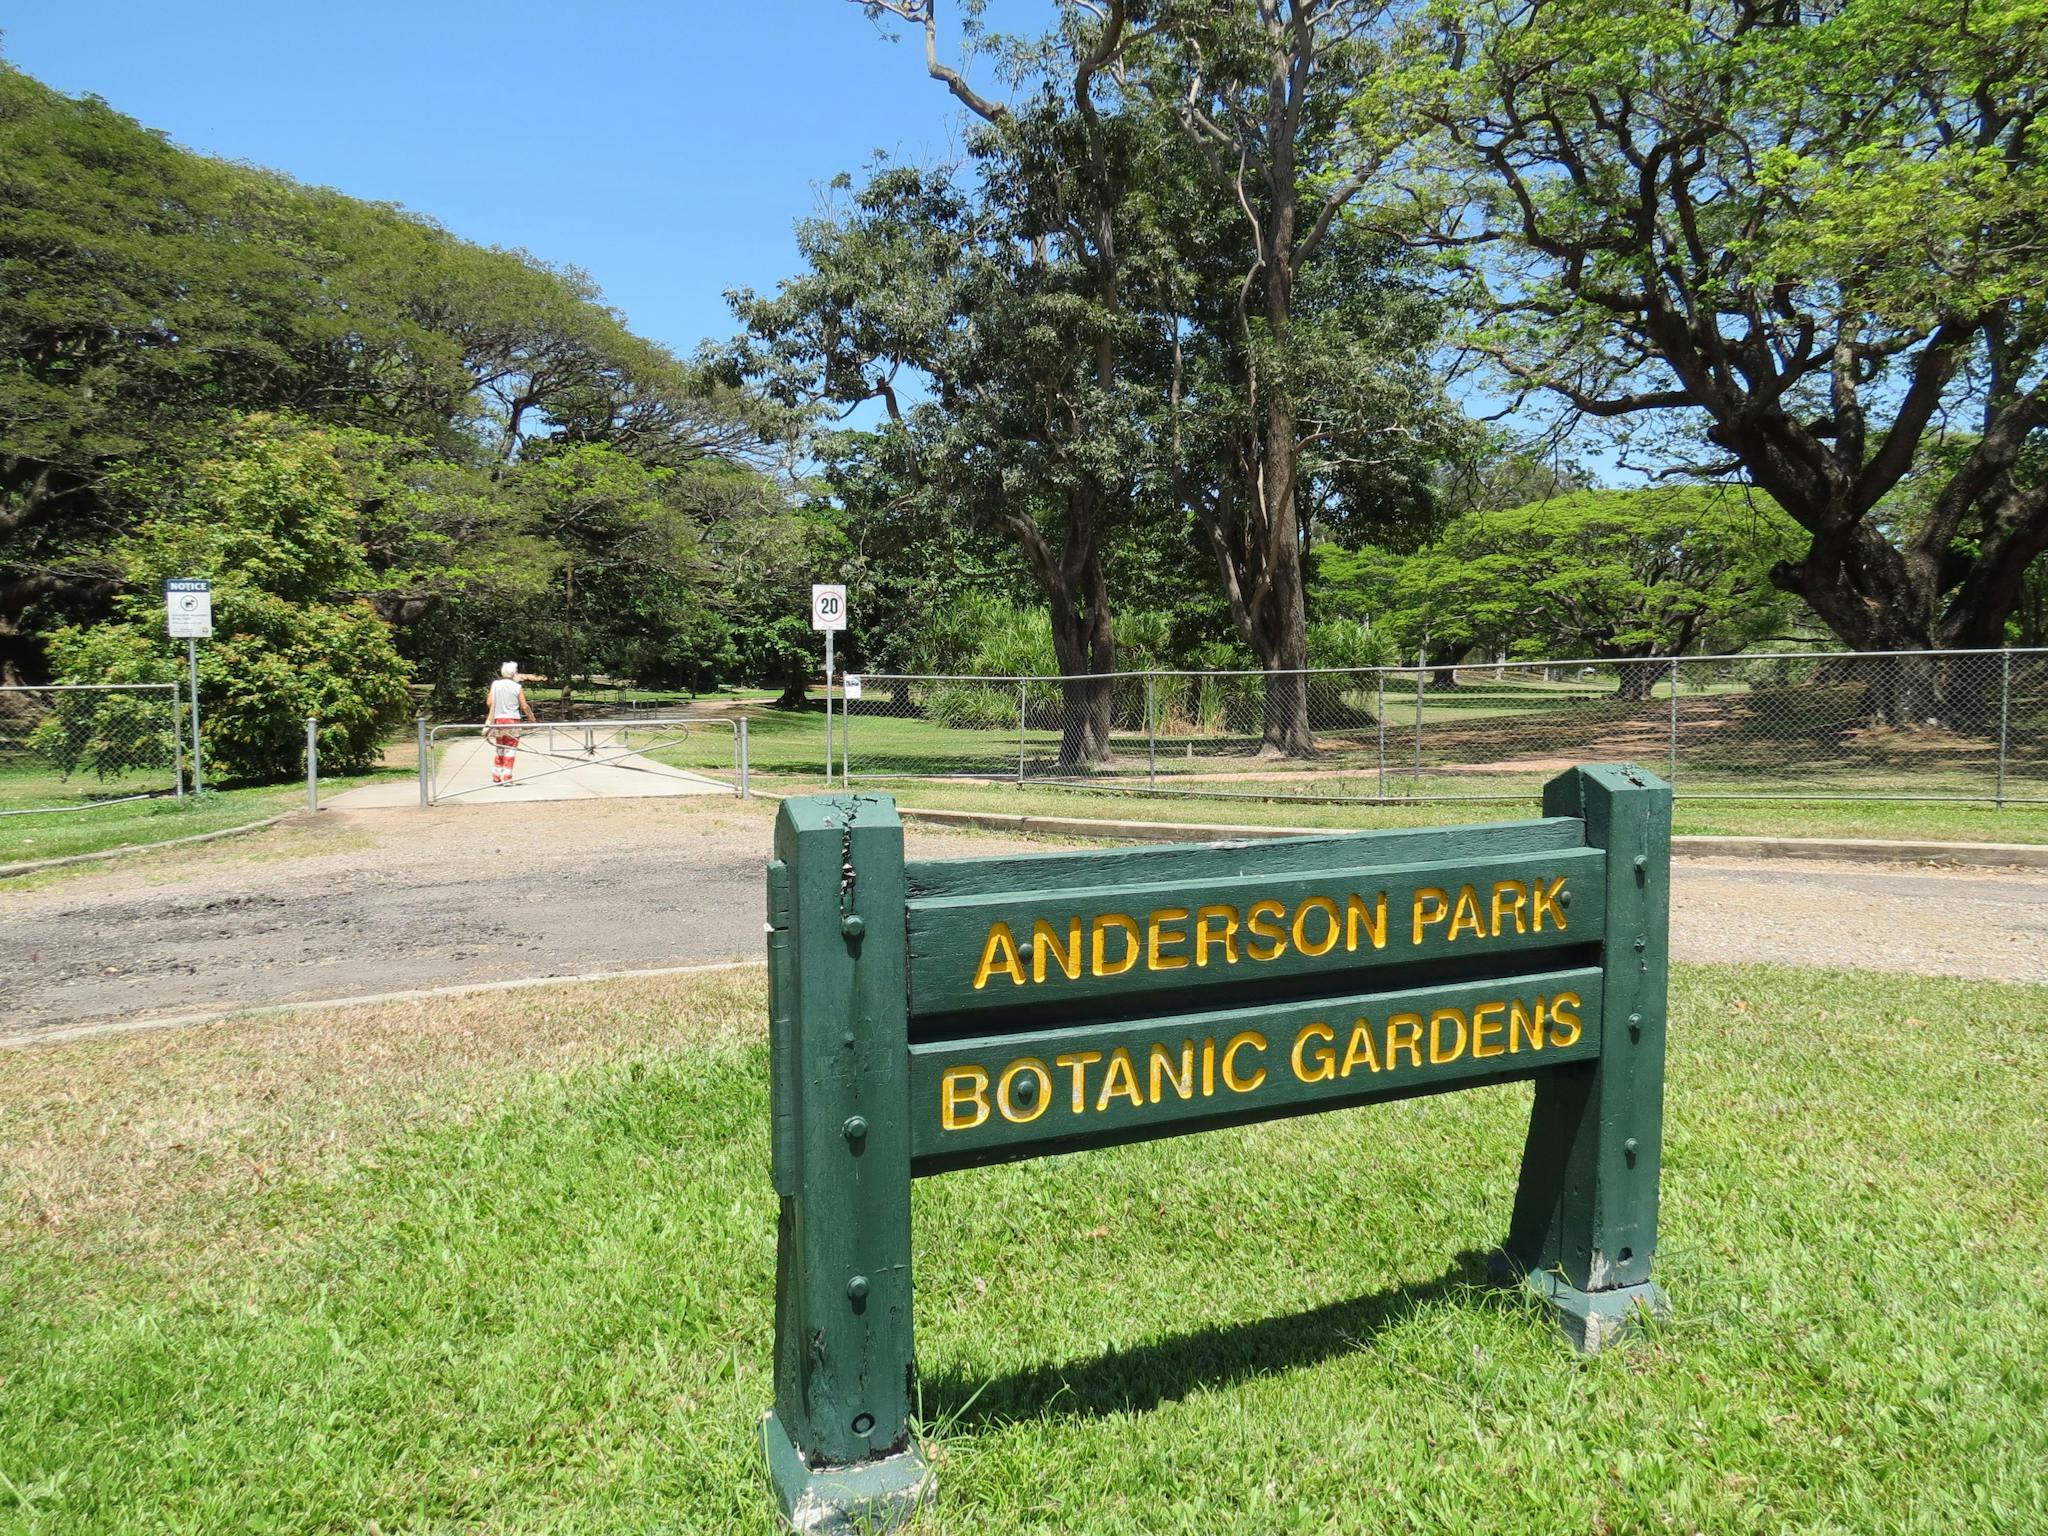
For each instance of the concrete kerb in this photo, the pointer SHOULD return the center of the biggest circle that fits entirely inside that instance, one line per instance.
(61, 1033)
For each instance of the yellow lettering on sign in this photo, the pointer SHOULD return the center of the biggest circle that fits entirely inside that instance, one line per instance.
(1503, 889)
(1044, 941)
(1432, 905)
(1372, 919)
(1120, 1081)
(1209, 1067)
(962, 1089)
(1438, 1053)
(1274, 935)
(1564, 1009)
(999, 953)
(1036, 1102)
(1161, 1065)
(1328, 942)
(1107, 923)
(1078, 1063)
(1158, 935)
(1546, 901)
(1521, 1026)
(1325, 1058)
(1404, 1033)
(1205, 937)
(1253, 1040)
(1360, 1051)
(1466, 914)
(1481, 1029)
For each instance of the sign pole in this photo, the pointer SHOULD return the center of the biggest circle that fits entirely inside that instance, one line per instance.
(192, 667)
(188, 615)
(828, 612)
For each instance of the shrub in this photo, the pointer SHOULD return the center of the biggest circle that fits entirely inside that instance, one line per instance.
(967, 707)
(269, 521)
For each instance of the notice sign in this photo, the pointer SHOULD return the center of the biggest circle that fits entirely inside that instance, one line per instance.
(828, 607)
(188, 605)
(926, 1016)
(853, 684)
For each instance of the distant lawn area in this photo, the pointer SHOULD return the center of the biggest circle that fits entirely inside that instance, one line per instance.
(926, 763)
(1727, 818)
(499, 1264)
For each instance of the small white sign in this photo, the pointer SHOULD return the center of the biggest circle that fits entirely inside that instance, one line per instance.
(188, 605)
(828, 606)
(853, 682)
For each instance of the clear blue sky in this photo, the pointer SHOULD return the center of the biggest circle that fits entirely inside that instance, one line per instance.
(664, 148)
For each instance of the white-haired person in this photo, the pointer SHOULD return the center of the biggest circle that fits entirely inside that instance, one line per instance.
(507, 705)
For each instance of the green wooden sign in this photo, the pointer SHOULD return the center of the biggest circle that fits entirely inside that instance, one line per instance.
(926, 1017)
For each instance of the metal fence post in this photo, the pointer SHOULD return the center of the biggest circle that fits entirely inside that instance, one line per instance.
(1151, 738)
(2004, 718)
(739, 748)
(178, 739)
(1672, 775)
(1382, 675)
(1420, 677)
(426, 791)
(1021, 687)
(312, 762)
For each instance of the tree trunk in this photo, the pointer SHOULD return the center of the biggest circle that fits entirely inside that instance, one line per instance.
(1639, 679)
(1085, 646)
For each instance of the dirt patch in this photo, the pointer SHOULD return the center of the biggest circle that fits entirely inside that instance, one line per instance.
(356, 903)
(381, 901)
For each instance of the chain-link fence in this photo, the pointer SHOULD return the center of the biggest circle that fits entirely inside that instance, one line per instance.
(74, 747)
(1949, 725)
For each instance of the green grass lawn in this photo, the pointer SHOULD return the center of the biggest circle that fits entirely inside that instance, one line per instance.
(137, 823)
(501, 1264)
(1836, 818)
(1198, 781)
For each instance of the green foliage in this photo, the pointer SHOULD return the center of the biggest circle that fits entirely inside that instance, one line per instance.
(268, 520)
(1666, 234)
(148, 296)
(1613, 574)
(1348, 643)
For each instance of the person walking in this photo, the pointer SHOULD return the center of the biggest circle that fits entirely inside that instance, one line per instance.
(507, 704)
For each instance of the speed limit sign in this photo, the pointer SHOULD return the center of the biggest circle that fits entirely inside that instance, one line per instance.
(828, 607)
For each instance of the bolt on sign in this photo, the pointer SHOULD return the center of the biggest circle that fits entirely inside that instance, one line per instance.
(926, 1017)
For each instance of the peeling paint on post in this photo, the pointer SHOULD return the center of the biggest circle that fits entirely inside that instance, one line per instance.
(926, 1017)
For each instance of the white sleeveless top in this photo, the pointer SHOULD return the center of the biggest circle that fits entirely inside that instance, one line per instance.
(505, 696)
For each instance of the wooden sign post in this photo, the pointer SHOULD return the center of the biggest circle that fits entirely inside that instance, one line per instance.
(932, 1016)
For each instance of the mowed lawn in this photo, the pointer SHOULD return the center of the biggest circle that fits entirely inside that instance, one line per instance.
(505, 1263)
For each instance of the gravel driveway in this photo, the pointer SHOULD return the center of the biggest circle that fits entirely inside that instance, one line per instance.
(359, 902)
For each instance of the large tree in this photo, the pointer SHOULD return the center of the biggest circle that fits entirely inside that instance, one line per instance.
(1813, 234)
(1628, 576)
(1004, 293)
(1298, 396)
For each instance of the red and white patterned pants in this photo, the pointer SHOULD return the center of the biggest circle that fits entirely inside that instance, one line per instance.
(507, 743)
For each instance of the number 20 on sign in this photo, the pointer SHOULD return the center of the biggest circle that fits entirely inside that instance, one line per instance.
(929, 1017)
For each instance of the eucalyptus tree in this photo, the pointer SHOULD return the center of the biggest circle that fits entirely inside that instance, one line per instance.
(1806, 242)
(1299, 393)
(991, 309)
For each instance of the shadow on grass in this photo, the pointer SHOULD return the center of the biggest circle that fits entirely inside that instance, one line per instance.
(1141, 1377)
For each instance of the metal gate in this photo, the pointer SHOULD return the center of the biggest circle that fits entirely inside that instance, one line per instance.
(582, 759)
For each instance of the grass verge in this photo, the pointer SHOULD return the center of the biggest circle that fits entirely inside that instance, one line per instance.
(505, 1263)
(139, 823)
